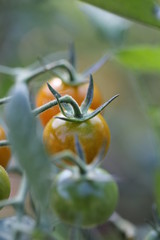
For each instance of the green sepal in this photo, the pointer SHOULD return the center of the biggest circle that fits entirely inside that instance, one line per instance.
(72, 54)
(73, 158)
(89, 97)
(88, 116)
(99, 158)
(96, 66)
(57, 96)
(79, 149)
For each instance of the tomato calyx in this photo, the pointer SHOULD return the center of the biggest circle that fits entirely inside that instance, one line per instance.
(74, 112)
(79, 159)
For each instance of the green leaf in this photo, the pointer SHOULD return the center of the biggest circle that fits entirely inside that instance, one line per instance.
(26, 142)
(109, 26)
(144, 58)
(144, 11)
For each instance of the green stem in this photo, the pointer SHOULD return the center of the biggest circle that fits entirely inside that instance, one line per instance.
(5, 100)
(48, 67)
(4, 143)
(68, 155)
(64, 99)
(8, 70)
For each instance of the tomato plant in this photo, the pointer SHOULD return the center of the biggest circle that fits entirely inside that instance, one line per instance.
(5, 152)
(84, 199)
(4, 184)
(78, 92)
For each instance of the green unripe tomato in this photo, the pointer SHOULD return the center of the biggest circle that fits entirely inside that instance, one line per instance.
(4, 184)
(84, 200)
(152, 235)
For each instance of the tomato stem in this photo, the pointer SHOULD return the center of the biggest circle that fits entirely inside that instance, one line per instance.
(64, 99)
(50, 66)
(72, 55)
(4, 143)
(8, 70)
(68, 155)
(5, 100)
(96, 66)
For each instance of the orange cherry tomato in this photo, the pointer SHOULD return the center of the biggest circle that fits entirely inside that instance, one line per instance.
(59, 135)
(5, 152)
(77, 92)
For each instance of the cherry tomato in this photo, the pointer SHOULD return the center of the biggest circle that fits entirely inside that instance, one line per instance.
(84, 200)
(4, 184)
(152, 235)
(44, 95)
(5, 152)
(59, 135)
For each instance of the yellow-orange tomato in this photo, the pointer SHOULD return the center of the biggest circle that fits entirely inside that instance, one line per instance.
(5, 152)
(4, 184)
(77, 92)
(59, 135)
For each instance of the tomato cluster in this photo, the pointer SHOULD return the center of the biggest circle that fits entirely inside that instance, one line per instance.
(89, 198)
(82, 194)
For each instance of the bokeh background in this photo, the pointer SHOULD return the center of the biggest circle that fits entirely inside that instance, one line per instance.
(32, 29)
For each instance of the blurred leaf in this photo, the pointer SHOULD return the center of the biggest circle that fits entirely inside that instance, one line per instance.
(144, 58)
(109, 26)
(144, 11)
(26, 141)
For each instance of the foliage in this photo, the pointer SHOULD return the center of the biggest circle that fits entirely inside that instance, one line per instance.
(30, 29)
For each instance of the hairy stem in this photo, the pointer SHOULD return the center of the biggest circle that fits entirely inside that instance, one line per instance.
(64, 99)
(50, 66)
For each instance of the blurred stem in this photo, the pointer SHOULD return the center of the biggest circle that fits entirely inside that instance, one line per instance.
(48, 67)
(4, 143)
(8, 70)
(67, 155)
(64, 99)
(4, 100)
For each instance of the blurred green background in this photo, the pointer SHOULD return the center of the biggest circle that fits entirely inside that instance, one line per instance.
(32, 29)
